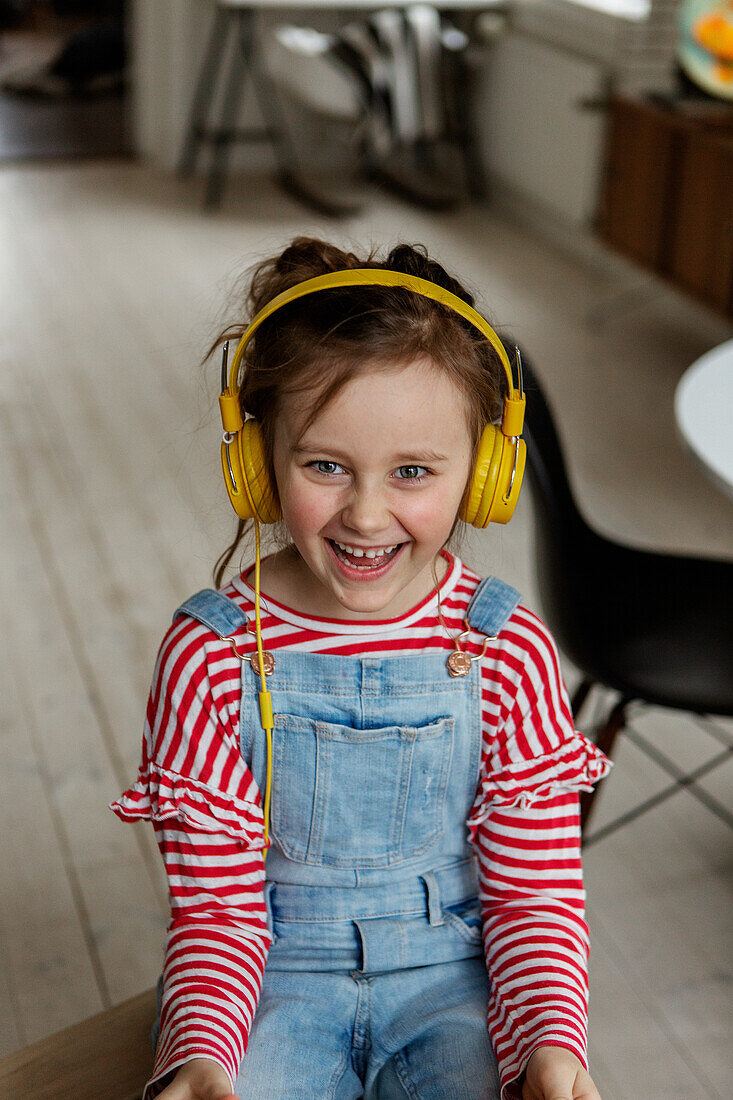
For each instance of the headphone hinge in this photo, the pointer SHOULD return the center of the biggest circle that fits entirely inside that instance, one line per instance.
(231, 414)
(513, 420)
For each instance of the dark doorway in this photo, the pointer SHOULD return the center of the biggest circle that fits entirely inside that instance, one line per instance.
(63, 88)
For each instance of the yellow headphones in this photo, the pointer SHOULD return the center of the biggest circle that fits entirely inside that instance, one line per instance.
(490, 497)
(492, 493)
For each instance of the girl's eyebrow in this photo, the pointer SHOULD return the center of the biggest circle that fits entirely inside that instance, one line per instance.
(405, 456)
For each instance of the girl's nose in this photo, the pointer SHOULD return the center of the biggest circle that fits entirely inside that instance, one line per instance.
(367, 513)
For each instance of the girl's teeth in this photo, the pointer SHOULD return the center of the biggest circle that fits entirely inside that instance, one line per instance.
(357, 553)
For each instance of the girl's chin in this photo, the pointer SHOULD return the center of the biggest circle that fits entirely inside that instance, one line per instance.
(335, 592)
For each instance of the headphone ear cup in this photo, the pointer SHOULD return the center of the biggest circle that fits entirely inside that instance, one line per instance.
(231, 466)
(485, 471)
(256, 479)
(513, 460)
(246, 477)
(487, 499)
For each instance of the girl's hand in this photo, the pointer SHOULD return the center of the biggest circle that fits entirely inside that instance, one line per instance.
(199, 1079)
(554, 1073)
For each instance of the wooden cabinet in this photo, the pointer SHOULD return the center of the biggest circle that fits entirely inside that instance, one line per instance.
(667, 194)
(700, 251)
(637, 181)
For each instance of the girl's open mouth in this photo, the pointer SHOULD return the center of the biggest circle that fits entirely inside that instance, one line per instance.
(359, 565)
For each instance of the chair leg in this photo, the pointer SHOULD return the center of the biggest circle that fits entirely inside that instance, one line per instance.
(605, 741)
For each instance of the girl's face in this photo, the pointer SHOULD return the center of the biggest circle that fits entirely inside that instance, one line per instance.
(381, 471)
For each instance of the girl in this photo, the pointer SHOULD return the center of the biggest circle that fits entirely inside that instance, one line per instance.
(415, 792)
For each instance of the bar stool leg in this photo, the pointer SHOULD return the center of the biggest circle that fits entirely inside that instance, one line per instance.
(225, 133)
(246, 64)
(203, 95)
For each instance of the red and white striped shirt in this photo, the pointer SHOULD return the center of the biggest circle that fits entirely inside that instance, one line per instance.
(206, 809)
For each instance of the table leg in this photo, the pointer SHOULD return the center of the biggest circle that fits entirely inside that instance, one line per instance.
(225, 133)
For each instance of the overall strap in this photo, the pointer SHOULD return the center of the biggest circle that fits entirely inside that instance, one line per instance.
(217, 612)
(492, 606)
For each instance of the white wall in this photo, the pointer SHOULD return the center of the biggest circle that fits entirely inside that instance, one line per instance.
(537, 138)
(168, 37)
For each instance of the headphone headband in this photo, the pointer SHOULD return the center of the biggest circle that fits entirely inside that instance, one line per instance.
(367, 276)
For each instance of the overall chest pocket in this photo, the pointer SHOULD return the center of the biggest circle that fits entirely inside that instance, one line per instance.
(357, 798)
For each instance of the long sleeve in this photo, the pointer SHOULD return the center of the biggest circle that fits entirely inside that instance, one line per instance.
(206, 811)
(535, 935)
(526, 832)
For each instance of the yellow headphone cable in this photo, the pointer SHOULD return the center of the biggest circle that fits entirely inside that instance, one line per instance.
(265, 699)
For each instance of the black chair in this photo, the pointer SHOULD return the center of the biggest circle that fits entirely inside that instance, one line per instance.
(655, 627)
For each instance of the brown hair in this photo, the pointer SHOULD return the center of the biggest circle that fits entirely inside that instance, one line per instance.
(316, 344)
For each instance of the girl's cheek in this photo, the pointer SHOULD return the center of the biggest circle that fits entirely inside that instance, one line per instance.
(430, 518)
(308, 505)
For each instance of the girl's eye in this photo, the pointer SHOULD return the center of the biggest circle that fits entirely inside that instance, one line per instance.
(321, 463)
(412, 473)
(404, 473)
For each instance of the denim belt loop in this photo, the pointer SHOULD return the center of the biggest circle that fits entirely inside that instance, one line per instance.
(435, 912)
(269, 887)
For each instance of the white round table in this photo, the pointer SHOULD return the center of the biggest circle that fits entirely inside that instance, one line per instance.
(703, 407)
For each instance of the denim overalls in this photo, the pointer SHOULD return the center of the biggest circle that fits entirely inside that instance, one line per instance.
(371, 881)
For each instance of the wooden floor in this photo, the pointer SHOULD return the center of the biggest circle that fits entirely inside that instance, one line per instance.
(112, 282)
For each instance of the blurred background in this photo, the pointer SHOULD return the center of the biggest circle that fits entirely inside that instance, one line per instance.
(572, 161)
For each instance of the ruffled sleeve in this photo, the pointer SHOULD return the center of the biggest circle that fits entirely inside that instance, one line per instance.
(575, 765)
(532, 751)
(160, 795)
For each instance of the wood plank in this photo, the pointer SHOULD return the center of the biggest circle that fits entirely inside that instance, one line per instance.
(644, 1059)
(44, 947)
(107, 1057)
(79, 779)
(10, 1035)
